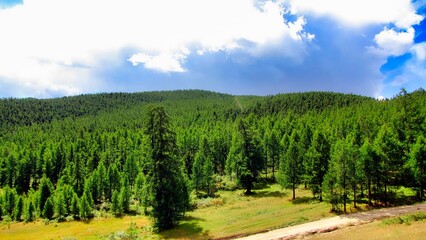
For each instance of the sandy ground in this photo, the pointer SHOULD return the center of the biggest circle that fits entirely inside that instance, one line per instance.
(333, 223)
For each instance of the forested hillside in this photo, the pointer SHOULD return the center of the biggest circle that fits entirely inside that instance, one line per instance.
(72, 156)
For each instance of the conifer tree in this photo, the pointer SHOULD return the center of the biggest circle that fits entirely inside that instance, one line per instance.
(75, 208)
(29, 211)
(418, 164)
(124, 199)
(48, 209)
(44, 192)
(116, 208)
(250, 162)
(85, 208)
(60, 205)
(168, 191)
(17, 211)
(318, 156)
(291, 166)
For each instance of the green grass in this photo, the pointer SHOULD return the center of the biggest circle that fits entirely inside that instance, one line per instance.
(231, 214)
(405, 219)
(268, 208)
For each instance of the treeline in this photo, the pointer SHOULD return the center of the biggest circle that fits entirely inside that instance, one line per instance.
(19, 112)
(339, 146)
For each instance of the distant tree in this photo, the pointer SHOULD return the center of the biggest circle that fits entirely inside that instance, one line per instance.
(272, 151)
(19, 205)
(250, 162)
(9, 200)
(113, 179)
(208, 172)
(85, 208)
(203, 168)
(48, 209)
(234, 155)
(197, 175)
(389, 150)
(318, 156)
(409, 120)
(331, 189)
(60, 205)
(169, 196)
(418, 164)
(44, 192)
(116, 208)
(131, 169)
(370, 165)
(125, 194)
(75, 208)
(291, 166)
(341, 175)
(29, 211)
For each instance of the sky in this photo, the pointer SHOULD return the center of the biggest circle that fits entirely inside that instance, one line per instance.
(55, 48)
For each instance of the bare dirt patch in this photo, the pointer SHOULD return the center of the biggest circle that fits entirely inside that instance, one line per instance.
(334, 223)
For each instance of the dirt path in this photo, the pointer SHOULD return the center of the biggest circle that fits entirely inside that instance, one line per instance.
(333, 223)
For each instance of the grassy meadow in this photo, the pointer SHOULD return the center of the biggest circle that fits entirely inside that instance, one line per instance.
(231, 214)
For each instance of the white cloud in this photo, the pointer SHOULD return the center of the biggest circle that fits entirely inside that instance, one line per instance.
(361, 12)
(162, 62)
(419, 51)
(44, 43)
(392, 43)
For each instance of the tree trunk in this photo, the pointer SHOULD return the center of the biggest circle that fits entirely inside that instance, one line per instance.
(369, 191)
(294, 191)
(354, 196)
(344, 203)
(273, 168)
(385, 194)
(266, 170)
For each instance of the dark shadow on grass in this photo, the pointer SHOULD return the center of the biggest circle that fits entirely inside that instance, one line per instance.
(304, 200)
(264, 193)
(188, 228)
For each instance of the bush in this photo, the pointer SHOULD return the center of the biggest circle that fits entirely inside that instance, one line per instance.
(225, 183)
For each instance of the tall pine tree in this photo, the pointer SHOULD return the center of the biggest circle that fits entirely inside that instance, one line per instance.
(169, 196)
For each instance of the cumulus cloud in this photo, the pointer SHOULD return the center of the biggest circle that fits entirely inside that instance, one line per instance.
(45, 43)
(419, 50)
(392, 43)
(361, 12)
(163, 62)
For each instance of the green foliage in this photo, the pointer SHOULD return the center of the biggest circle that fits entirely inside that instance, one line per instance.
(48, 209)
(318, 156)
(29, 211)
(342, 173)
(9, 200)
(203, 168)
(116, 207)
(75, 207)
(17, 211)
(291, 166)
(44, 192)
(168, 191)
(85, 209)
(418, 163)
(405, 219)
(60, 205)
(249, 160)
(93, 145)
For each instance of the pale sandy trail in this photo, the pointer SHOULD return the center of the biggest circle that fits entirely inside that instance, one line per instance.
(333, 223)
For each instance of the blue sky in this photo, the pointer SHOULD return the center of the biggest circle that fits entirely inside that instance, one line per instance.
(53, 48)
